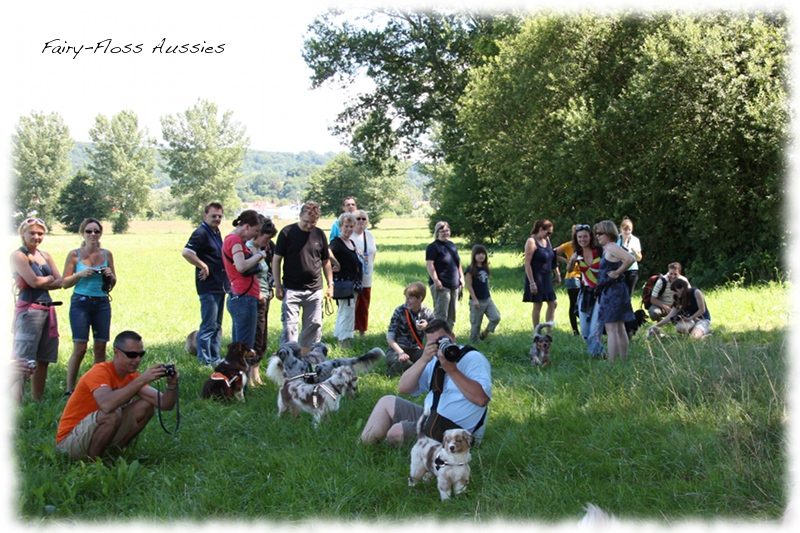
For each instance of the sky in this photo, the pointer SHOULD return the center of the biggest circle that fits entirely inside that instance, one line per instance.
(260, 76)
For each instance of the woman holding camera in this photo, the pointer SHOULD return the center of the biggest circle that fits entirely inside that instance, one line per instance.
(245, 288)
(346, 254)
(87, 268)
(35, 327)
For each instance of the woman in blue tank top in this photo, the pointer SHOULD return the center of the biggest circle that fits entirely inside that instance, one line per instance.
(35, 328)
(85, 269)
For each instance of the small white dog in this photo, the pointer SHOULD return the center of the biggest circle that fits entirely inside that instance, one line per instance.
(319, 399)
(654, 332)
(448, 461)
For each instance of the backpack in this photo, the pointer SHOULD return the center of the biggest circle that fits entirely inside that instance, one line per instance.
(647, 290)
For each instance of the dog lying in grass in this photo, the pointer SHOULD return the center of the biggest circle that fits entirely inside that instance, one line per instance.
(540, 351)
(315, 367)
(318, 399)
(448, 461)
(229, 379)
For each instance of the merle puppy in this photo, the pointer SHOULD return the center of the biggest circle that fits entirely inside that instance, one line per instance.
(315, 367)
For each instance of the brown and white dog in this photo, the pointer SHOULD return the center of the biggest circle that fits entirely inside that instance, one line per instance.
(448, 461)
(229, 378)
(540, 351)
(191, 343)
(318, 399)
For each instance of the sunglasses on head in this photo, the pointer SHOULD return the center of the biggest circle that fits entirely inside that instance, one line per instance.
(580, 227)
(132, 354)
(35, 221)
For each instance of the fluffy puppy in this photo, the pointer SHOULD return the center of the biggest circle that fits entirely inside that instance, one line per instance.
(314, 367)
(229, 378)
(654, 332)
(448, 461)
(595, 518)
(318, 399)
(540, 351)
(191, 343)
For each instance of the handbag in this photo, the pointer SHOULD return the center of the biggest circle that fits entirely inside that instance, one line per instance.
(342, 289)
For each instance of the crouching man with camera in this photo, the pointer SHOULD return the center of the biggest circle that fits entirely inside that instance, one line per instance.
(103, 409)
(458, 381)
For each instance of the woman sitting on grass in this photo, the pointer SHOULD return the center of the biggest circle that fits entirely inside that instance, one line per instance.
(693, 317)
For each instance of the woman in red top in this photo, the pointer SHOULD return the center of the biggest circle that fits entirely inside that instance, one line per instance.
(245, 288)
(587, 257)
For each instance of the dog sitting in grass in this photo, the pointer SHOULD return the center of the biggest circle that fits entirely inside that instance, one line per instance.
(540, 351)
(229, 379)
(315, 367)
(318, 399)
(448, 461)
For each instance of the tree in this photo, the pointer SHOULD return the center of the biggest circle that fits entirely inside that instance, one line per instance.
(419, 63)
(40, 155)
(81, 198)
(203, 156)
(122, 162)
(679, 122)
(344, 176)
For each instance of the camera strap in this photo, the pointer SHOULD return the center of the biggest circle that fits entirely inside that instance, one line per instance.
(412, 326)
(177, 411)
(437, 386)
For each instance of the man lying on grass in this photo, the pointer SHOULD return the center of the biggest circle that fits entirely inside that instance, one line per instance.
(102, 411)
(459, 387)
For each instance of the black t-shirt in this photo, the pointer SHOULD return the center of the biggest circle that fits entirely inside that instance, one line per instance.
(303, 253)
(350, 266)
(445, 261)
(208, 247)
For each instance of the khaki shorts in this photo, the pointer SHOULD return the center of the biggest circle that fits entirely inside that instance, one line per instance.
(407, 413)
(76, 443)
(703, 325)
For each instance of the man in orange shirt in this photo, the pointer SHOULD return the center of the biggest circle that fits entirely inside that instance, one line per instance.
(102, 410)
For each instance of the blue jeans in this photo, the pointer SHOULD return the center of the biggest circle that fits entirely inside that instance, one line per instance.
(209, 336)
(244, 312)
(86, 311)
(591, 328)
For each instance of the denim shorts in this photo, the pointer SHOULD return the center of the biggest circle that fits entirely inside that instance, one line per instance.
(86, 311)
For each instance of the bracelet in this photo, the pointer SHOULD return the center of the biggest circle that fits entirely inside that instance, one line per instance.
(172, 388)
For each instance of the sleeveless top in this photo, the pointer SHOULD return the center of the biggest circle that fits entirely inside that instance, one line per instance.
(29, 294)
(93, 285)
(590, 271)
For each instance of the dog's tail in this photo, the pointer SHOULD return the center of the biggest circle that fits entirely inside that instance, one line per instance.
(365, 362)
(421, 422)
(539, 327)
(596, 518)
(275, 370)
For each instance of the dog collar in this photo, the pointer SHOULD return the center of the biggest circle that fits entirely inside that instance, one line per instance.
(323, 387)
(219, 376)
(439, 462)
(303, 376)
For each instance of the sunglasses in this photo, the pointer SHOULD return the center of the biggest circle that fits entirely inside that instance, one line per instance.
(35, 221)
(599, 233)
(133, 355)
(93, 231)
(361, 218)
(580, 227)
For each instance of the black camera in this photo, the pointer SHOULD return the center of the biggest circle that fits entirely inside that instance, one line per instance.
(31, 363)
(449, 349)
(169, 369)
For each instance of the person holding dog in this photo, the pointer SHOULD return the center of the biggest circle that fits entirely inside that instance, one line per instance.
(35, 326)
(241, 270)
(690, 310)
(613, 296)
(113, 402)
(302, 250)
(262, 242)
(459, 388)
(204, 251)
(87, 268)
(406, 328)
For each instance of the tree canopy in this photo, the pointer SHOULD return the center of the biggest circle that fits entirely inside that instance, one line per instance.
(40, 157)
(203, 156)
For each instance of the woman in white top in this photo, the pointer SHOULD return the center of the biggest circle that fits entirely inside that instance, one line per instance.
(365, 245)
(631, 245)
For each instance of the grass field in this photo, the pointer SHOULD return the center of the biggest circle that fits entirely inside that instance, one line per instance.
(682, 431)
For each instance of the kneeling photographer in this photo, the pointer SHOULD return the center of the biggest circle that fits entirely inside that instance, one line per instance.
(113, 403)
(458, 381)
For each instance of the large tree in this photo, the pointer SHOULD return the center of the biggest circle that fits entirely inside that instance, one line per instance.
(419, 62)
(82, 197)
(679, 122)
(40, 155)
(122, 162)
(203, 155)
(344, 176)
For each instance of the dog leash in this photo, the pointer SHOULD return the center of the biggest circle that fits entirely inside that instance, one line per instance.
(328, 306)
(304, 376)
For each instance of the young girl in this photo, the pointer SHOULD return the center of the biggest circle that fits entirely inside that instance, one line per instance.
(476, 277)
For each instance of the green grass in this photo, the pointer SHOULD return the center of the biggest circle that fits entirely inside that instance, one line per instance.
(684, 430)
